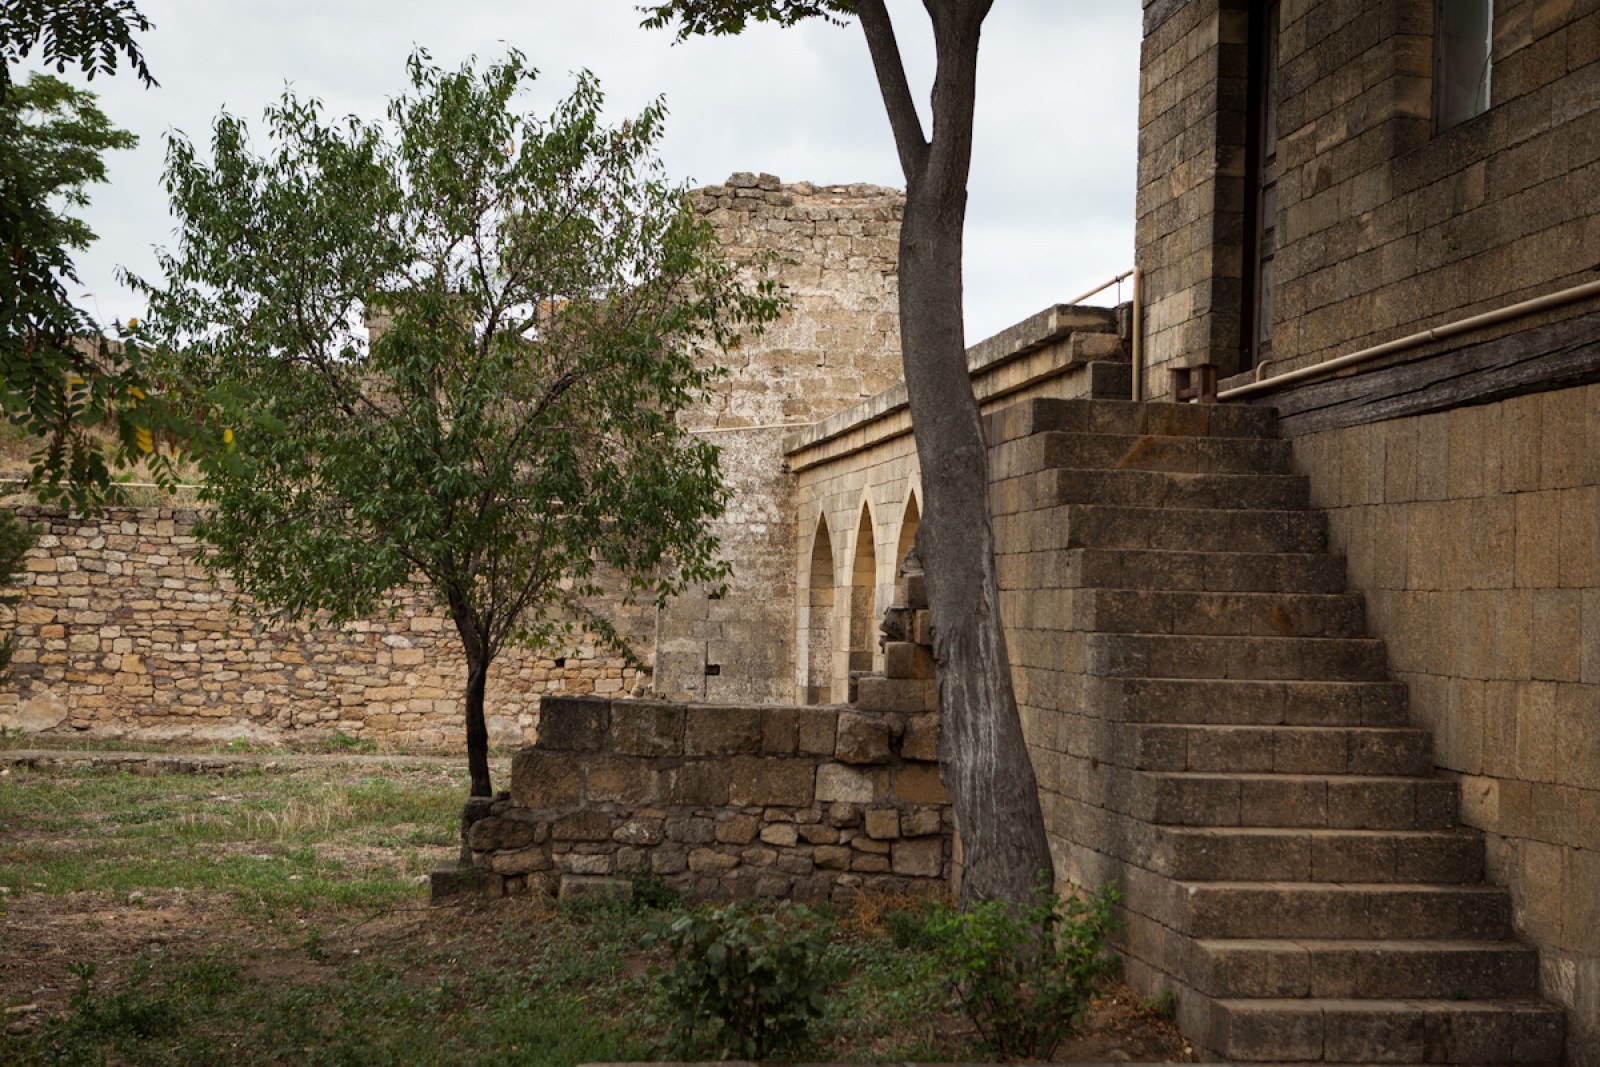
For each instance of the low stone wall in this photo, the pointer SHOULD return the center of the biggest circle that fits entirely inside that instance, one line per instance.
(814, 803)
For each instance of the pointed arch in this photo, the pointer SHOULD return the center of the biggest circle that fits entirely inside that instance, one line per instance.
(860, 624)
(820, 622)
(910, 522)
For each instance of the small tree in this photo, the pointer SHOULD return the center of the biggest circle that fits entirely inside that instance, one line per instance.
(983, 756)
(547, 301)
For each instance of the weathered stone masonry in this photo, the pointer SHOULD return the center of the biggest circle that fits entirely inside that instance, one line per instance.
(123, 632)
(720, 802)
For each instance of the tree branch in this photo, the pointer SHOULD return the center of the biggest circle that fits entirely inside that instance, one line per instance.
(909, 138)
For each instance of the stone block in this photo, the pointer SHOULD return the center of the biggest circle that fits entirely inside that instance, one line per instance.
(587, 863)
(703, 860)
(758, 857)
(794, 863)
(903, 659)
(524, 861)
(574, 724)
(837, 784)
(921, 823)
(738, 829)
(691, 830)
(595, 887)
(760, 781)
(451, 880)
(862, 739)
(618, 779)
(721, 731)
(582, 826)
(818, 834)
(669, 861)
(782, 835)
(919, 783)
(646, 728)
(869, 863)
(920, 858)
(699, 783)
(541, 779)
(921, 738)
(896, 694)
(493, 834)
(816, 731)
(883, 823)
(832, 857)
(639, 832)
(780, 731)
(862, 843)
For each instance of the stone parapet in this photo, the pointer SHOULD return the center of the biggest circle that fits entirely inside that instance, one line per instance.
(717, 801)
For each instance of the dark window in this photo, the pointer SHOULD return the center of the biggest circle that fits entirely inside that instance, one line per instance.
(1463, 34)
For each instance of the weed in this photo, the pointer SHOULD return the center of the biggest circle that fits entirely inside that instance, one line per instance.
(755, 979)
(1163, 1005)
(1024, 974)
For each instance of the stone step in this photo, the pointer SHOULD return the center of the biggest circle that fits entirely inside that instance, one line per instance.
(1454, 970)
(1341, 802)
(1154, 489)
(1146, 452)
(1152, 611)
(1130, 418)
(1182, 656)
(1110, 378)
(1343, 910)
(1188, 529)
(1235, 572)
(1283, 749)
(1247, 702)
(1406, 1031)
(1277, 854)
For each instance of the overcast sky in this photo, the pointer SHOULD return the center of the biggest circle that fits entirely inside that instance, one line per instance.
(1052, 190)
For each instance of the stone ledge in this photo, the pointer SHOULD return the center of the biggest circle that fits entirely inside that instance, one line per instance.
(985, 362)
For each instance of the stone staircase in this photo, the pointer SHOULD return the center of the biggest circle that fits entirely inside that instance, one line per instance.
(1231, 751)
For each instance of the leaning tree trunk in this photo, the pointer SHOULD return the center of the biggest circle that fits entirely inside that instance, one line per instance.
(984, 757)
(982, 752)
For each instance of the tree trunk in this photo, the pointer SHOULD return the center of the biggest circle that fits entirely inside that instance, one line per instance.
(984, 758)
(477, 727)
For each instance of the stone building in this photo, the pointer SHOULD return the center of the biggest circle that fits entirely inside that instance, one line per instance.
(1380, 219)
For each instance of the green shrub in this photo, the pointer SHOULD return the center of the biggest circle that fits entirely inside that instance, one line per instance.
(747, 981)
(1024, 975)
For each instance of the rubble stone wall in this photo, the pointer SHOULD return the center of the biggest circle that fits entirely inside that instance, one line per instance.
(719, 802)
(121, 632)
(836, 251)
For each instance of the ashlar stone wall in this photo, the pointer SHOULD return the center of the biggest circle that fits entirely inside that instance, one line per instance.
(1384, 227)
(1475, 536)
(720, 802)
(859, 485)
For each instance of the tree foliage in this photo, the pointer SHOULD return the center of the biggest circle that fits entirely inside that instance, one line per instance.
(544, 301)
(87, 34)
(59, 379)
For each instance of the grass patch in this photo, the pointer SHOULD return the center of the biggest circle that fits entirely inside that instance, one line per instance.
(279, 917)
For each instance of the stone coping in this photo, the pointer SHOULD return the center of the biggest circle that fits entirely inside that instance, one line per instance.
(1032, 333)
